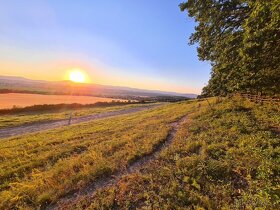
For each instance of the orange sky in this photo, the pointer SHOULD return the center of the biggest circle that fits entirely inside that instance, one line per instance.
(114, 43)
(57, 71)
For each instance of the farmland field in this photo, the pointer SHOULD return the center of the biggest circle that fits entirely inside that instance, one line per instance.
(11, 100)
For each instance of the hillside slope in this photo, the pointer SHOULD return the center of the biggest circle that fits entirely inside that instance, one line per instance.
(228, 158)
(40, 169)
(10, 83)
(224, 157)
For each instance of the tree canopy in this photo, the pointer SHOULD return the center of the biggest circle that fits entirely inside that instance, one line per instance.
(241, 39)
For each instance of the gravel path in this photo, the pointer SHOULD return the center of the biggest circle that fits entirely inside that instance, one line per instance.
(71, 198)
(40, 126)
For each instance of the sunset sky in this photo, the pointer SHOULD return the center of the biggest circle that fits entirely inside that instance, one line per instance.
(139, 44)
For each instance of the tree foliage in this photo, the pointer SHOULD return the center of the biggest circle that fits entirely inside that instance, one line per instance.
(241, 39)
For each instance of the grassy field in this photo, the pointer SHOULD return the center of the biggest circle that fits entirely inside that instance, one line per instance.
(228, 158)
(9, 120)
(40, 168)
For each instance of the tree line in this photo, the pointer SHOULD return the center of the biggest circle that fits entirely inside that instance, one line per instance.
(241, 40)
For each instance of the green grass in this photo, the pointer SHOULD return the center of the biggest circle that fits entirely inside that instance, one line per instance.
(40, 168)
(228, 158)
(10, 120)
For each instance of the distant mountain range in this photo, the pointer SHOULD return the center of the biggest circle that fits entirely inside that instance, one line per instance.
(21, 84)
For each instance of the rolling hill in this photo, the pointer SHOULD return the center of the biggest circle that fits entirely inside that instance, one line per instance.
(10, 83)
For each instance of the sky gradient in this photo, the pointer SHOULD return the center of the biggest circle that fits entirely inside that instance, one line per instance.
(142, 45)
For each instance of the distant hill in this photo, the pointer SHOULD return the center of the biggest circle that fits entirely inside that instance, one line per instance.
(21, 84)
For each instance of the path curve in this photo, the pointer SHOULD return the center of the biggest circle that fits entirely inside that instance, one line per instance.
(41, 126)
(113, 179)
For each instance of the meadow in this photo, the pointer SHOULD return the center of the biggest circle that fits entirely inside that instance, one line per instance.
(10, 100)
(38, 169)
(225, 158)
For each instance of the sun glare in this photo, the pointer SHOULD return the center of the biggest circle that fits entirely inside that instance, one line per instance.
(77, 76)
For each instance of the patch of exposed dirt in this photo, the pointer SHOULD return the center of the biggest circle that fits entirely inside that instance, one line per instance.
(133, 167)
(41, 126)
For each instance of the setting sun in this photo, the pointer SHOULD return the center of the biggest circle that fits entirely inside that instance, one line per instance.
(77, 76)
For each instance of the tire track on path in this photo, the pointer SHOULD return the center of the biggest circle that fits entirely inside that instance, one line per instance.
(41, 126)
(114, 178)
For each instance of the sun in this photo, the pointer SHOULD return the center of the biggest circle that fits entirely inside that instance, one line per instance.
(77, 76)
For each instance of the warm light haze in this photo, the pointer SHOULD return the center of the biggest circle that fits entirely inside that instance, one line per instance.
(114, 42)
(77, 76)
(151, 104)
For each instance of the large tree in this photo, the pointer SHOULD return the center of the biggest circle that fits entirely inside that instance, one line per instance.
(238, 37)
(261, 51)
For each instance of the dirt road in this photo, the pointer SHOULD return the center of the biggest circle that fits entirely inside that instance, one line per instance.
(36, 127)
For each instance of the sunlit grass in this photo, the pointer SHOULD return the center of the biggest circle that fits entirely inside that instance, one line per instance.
(39, 168)
(222, 159)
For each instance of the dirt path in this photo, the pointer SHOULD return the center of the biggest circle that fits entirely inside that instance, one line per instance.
(40, 126)
(135, 166)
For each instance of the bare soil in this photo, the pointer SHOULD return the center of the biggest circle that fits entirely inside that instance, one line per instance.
(103, 182)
